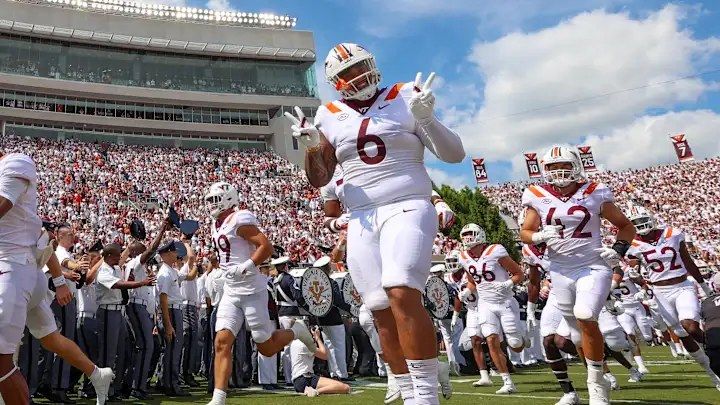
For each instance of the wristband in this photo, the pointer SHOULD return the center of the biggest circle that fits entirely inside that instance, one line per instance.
(58, 281)
(621, 247)
(332, 225)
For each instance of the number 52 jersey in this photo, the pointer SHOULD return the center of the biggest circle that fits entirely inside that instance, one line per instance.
(380, 155)
(579, 216)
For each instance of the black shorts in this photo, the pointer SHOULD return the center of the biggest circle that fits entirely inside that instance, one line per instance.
(306, 381)
(712, 339)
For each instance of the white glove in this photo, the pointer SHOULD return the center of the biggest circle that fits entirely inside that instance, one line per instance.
(246, 267)
(342, 221)
(546, 233)
(633, 273)
(641, 295)
(446, 217)
(706, 289)
(454, 320)
(467, 296)
(303, 130)
(503, 287)
(422, 102)
(531, 322)
(619, 309)
(611, 257)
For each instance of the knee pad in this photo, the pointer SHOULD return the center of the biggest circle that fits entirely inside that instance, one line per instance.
(260, 336)
(376, 301)
(515, 341)
(584, 313)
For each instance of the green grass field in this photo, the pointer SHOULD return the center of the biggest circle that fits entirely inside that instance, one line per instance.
(670, 381)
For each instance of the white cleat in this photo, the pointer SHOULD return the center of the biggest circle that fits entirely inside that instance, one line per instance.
(444, 379)
(599, 393)
(636, 375)
(101, 379)
(455, 368)
(644, 370)
(393, 391)
(612, 381)
(508, 388)
(303, 334)
(494, 373)
(311, 392)
(571, 398)
(483, 382)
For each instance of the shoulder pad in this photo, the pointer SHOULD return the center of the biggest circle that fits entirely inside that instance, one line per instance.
(244, 217)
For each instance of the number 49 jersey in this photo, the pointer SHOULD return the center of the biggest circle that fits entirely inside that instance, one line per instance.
(579, 216)
(485, 270)
(661, 259)
(380, 155)
(234, 250)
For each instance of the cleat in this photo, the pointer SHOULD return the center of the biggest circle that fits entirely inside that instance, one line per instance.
(612, 381)
(571, 398)
(101, 379)
(599, 393)
(508, 388)
(636, 375)
(303, 334)
(644, 370)
(455, 368)
(444, 379)
(483, 382)
(393, 391)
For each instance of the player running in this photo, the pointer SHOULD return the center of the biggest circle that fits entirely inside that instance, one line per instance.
(379, 136)
(565, 214)
(493, 274)
(241, 248)
(664, 253)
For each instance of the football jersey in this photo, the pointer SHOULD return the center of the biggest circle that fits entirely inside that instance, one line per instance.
(579, 216)
(20, 227)
(234, 250)
(533, 257)
(662, 258)
(626, 291)
(460, 285)
(486, 270)
(334, 190)
(380, 155)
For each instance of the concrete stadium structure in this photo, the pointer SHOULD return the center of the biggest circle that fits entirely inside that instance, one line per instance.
(121, 71)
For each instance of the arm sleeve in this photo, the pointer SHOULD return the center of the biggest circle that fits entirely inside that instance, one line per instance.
(605, 194)
(12, 188)
(162, 284)
(441, 141)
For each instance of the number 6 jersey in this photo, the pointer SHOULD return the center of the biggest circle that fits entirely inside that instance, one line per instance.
(380, 155)
(579, 216)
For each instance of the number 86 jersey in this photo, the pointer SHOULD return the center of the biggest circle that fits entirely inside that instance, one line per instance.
(579, 217)
(485, 271)
(380, 155)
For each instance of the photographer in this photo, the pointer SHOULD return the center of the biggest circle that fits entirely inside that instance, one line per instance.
(304, 379)
(710, 311)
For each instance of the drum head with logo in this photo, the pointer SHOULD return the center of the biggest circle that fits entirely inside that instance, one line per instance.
(436, 292)
(317, 291)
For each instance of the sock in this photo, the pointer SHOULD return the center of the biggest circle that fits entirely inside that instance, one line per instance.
(484, 375)
(506, 378)
(627, 356)
(595, 371)
(95, 374)
(424, 375)
(639, 361)
(219, 396)
(404, 381)
(673, 352)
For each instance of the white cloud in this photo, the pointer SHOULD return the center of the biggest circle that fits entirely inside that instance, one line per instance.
(220, 5)
(440, 177)
(590, 54)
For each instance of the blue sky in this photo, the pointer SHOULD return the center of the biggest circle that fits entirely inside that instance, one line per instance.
(497, 58)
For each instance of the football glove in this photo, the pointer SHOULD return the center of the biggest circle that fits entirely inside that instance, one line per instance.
(422, 102)
(531, 322)
(547, 233)
(641, 295)
(503, 287)
(446, 218)
(305, 132)
(236, 272)
(454, 320)
(611, 257)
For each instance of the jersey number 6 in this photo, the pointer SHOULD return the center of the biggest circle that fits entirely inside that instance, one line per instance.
(363, 139)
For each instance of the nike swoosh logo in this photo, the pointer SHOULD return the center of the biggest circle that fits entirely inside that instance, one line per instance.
(414, 209)
(382, 106)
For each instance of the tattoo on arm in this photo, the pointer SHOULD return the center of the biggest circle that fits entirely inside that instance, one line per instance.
(320, 163)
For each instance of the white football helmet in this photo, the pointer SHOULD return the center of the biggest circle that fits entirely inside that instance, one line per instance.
(562, 177)
(472, 235)
(452, 261)
(643, 220)
(220, 197)
(338, 63)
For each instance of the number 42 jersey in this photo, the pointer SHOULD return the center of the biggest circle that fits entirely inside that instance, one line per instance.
(579, 216)
(380, 155)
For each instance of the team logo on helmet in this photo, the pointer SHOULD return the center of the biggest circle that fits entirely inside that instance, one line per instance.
(438, 296)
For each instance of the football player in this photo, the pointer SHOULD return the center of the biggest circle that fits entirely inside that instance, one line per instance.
(565, 214)
(633, 315)
(664, 253)
(492, 275)
(242, 247)
(379, 136)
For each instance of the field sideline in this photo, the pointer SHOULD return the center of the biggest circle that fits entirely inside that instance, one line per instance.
(671, 381)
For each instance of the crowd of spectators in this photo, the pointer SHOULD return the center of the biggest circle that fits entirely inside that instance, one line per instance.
(683, 195)
(100, 188)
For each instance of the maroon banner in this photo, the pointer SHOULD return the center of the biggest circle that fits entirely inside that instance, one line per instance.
(587, 159)
(682, 148)
(480, 172)
(533, 168)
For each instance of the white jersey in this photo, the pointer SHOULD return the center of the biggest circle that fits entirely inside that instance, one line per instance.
(62, 254)
(334, 190)
(626, 291)
(459, 285)
(139, 273)
(486, 270)
(380, 155)
(20, 227)
(533, 257)
(214, 285)
(235, 250)
(661, 258)
(579, 215)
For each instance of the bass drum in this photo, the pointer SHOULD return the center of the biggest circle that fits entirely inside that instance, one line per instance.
(438, 296)
(350, 294)
(315, 288)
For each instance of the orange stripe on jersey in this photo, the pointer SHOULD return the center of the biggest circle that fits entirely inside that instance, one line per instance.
(668, 233)
(634, 243)
(394, 91)
(590, 189)
(535, 191)
(332, 108)
(526, 251)
(489, 250)
(342, 52)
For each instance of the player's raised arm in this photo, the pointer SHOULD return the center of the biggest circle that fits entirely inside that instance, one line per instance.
(439, 139)
(320, 158)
